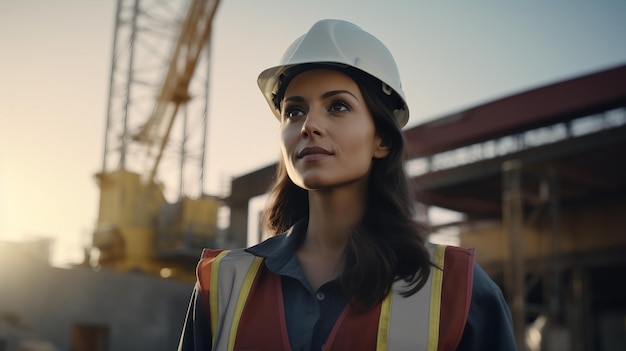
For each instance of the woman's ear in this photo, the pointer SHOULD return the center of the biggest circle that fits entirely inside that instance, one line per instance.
(382, 148)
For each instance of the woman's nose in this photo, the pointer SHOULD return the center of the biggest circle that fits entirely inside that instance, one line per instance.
(313, 124)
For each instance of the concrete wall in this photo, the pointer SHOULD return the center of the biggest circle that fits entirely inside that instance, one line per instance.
(140, 312)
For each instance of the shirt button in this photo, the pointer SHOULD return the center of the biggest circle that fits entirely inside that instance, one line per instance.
(320, 296)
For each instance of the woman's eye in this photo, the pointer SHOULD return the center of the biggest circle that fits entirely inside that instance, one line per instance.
(339, 106)
(291, 112)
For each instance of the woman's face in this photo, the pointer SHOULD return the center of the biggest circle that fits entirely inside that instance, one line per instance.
(328, 138)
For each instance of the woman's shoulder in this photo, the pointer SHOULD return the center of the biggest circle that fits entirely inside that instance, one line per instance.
(463, 276)
(489, 325)
(462, 260)
(484, 286)
(267, 245)
(451, 250)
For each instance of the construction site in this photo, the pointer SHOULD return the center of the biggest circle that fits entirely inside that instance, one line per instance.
(536, 181)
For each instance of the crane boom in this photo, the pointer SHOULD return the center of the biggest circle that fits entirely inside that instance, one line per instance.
(194, 35)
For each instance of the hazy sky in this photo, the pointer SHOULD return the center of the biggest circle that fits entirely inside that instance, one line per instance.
(55, 62)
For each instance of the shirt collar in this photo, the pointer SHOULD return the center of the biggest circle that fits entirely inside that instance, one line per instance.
(280, 249)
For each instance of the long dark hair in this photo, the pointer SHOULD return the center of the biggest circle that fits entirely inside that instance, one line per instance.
(388, 244)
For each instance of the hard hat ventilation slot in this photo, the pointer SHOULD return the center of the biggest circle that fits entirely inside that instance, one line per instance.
(387, 89)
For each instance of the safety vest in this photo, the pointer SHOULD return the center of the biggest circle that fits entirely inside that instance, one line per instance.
(244, 302)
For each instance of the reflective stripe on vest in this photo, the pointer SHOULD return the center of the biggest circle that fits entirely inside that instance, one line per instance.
(421, 308)
(229, 293)
(405, 322)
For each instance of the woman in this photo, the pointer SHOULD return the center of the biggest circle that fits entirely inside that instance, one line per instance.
(348, 267)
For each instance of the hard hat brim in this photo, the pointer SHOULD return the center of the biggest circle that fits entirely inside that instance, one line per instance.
(269, 81)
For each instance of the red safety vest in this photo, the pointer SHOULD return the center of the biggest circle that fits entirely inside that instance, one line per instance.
(245, 304)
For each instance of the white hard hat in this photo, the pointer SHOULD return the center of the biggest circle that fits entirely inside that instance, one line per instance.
(339, 42)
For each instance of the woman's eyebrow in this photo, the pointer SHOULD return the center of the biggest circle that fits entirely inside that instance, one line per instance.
(337, 92)
(326, 95)
(294, 99)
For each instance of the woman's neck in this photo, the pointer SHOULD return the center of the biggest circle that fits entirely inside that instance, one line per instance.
(333, 215)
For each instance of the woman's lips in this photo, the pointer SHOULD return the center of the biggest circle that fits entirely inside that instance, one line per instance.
(313, 153)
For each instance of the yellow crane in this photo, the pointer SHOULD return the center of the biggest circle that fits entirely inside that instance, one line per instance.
(150, 95)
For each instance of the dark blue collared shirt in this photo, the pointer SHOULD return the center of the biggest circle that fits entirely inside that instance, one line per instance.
(310, 315)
